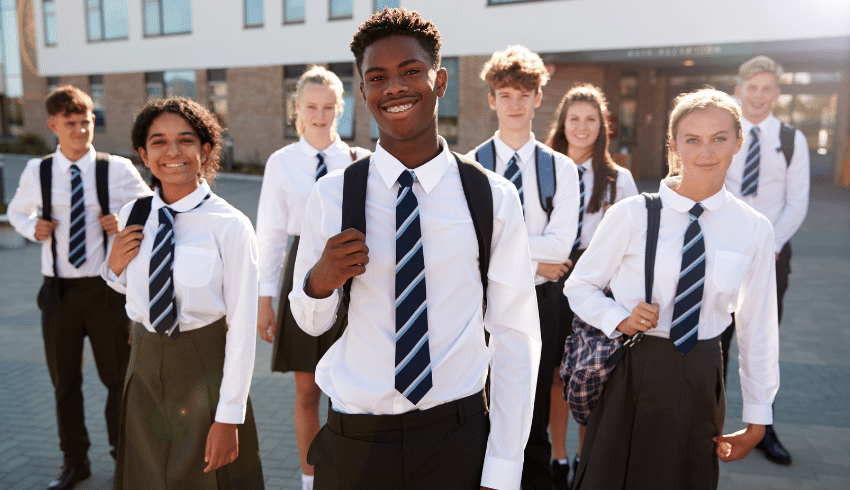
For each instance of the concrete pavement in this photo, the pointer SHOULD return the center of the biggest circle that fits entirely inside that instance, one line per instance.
(812, 409)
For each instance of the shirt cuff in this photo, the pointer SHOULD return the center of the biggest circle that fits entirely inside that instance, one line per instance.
(501, 474)
(269, 289)
(757, 414)
(29, 233)
(228, 413)
(113, 281)
(612, 319)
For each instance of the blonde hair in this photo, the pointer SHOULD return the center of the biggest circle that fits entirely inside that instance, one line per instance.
(698, 100)
(516, 66)
(322, 77)
(759, 64)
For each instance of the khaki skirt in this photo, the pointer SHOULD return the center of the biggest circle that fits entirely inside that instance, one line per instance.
(295, 350)
(653, 426)
(170, 396)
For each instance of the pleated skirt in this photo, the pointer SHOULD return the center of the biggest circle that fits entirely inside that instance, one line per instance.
(170, 397)
(295, 350)
(653, 426)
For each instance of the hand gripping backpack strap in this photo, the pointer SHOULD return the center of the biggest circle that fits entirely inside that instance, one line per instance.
(485, 154)
(653, 223)
(102, 183)
(354, 206)
(547, 183)
(140, 211)
(46, 175)
(786, 142)
(479, 198)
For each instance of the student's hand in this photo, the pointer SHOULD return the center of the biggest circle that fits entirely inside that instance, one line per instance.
(345, 256)
(124, 248)
(109, 223)
(569, 264)
(222, 446)
(265, 319)
(44, 228)
(733, 447)
(777, 257)
(553, 272)
(643, 317)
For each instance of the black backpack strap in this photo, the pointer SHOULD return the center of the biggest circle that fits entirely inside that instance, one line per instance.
(479, 198)
(786, 142)
(354, 206)
(546, 180)
(140, 211)
(485, 154)
(102, 182)
(46, 177)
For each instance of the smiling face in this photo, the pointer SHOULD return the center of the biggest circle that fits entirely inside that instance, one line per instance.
(757, 95)
(514, 107)
(401, 89)
(706, 141)
(74, 131)
(581, 128)
(173, 152)
(317, 107)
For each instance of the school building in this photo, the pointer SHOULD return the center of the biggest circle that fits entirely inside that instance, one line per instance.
(242, 58)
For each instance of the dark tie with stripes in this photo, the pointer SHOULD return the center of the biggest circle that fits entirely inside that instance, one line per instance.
(321, 168)
(77, 235)
(683, 330)
(750, 182)
(412, 355)
(513, 174)
(163, 310)
(581, 206)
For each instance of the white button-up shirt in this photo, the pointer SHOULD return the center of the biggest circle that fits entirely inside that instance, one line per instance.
(625, 186)
(740, 278)
(125, 185)
(215, 274)
(783, 189)
(357, 372)
(290, 174)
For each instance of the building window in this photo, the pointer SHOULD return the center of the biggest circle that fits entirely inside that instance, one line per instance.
(341, 9)
(391, 4)
(447, 115)
(49, 8)
(167, 17)
(293, 11)
(98, 98)
(107, 21)
(628, 107)
(253, 13)
(345, 122)
(175, 83)
(53, 83)
(217, 90)
(373, 129)
(291, 74)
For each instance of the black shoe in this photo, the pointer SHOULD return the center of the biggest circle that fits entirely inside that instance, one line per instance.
(70, 476)
(560, 475)
(573, 474)
(772, 448)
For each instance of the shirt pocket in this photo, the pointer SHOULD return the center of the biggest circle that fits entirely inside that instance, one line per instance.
(193, 266)
(729, 270)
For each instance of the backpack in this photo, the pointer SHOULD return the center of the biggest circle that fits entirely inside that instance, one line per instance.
(476, 188)
(101, 182)
(786, 142)
(485, 154)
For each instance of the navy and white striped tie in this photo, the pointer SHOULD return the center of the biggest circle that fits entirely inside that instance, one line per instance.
(321, 168)
(513, 173)
(581, 206)
(412, 354)
(750, 181)
(163, 310)
(77, 240)
(686, 309)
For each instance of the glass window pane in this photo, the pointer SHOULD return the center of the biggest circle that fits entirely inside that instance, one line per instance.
(152, 18)
(345, 121)
(373, 129)
(154, 90)
(179, 83)
(380, 4)
(293, 10)
(448, 104)
(115, 19)
(341, 9)
(177, 16)
(253, 12)
(95, 32)
(49, 22)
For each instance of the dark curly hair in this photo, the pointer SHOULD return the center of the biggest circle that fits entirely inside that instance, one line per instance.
(396, 22)
(203, 122)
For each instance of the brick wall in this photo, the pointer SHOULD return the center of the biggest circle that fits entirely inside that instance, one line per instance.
(124, 96)
(255, 103)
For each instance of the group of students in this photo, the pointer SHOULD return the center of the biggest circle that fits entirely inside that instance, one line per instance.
(427, 293)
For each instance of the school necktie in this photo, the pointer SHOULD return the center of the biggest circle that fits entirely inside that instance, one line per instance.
(513, 174)
(412, 355)
(683, 331)
(77, 240)
(581, 206)
(163, 310)
(321, 168)
(750, 181)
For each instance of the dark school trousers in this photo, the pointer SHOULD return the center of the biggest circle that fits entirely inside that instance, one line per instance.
(84, 307)
(536, 470)
(441, 447)
(783, 270)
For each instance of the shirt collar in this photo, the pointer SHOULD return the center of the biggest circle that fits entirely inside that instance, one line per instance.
(83, 163)
(764, 126)
(337, 146)
(587, 165)
(428, 174)
(187, 203)
(505, 152)
(683, 204)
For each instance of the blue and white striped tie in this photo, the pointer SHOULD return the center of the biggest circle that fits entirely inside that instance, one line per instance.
(77, 235)
(412, 355)
(750, 181)
(321, 168)
(581, 206)
(513, 173)
(163, 310)
(686, 309)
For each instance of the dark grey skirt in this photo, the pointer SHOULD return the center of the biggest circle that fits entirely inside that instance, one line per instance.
(170, 397)
(653, 426)
(295, 350)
